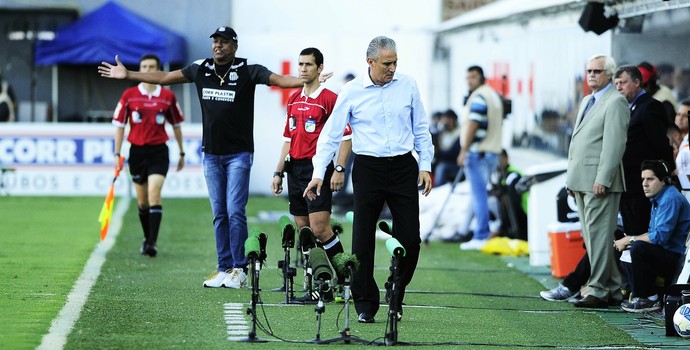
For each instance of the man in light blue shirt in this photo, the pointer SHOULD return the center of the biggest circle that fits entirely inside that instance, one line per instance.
(657, 252)
(388, 122)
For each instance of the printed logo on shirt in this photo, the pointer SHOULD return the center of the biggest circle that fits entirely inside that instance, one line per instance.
(136, 117)
(310, 125)
(218, 95)
(292, 123)
(160, 119)
(233, 76)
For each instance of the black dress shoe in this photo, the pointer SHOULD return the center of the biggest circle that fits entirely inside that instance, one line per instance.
(591, 301)
(365, 317)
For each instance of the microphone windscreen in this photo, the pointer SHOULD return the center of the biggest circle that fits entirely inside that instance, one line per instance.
(385, 227)
(350, 216)
(336, 227)
(254, 232)
(320, 266)
(342, 263)
(394, 247)
(252, 247)
(307, 239)
(288, 231)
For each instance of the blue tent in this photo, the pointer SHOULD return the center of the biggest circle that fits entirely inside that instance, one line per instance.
(108, 31)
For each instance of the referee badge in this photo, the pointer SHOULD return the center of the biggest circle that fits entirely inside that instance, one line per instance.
(160, 119)
(136, 117)
(310, 125)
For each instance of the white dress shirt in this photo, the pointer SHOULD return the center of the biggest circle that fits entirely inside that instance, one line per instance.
(386, 121)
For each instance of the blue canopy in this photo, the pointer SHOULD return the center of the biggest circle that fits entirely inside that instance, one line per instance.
(108, 31)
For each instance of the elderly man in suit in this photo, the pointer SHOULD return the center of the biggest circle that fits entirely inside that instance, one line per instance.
(595, 177)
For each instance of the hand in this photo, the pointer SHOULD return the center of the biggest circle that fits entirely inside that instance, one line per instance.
(118, 164)
(118, 71)
(325, 76)
(277, 185)
(461, 158)
(622, 243)
(313, 184)
(180, 163)
(337, 181)
(425, 179)
(599, 190)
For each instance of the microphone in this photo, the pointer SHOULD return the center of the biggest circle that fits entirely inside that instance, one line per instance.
(288, 231)
(263, 239)
(252, 247)
(320, 265)
(385, 227)
(306, 239)
(350, 216)
(394, 247)
(337, 227)
(344, 263)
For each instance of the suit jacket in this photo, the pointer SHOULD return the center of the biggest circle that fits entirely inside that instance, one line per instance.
(598, 143)
(647, 140)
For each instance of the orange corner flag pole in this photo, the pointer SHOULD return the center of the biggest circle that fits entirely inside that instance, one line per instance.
(107, 209)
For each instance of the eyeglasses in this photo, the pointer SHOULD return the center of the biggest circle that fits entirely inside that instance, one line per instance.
(595, 71)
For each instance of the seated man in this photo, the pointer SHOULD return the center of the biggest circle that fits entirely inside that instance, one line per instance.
(657, 252)
(512, 204)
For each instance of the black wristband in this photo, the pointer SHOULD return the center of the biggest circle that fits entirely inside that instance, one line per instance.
(278, 173)
(117, 154)
(181, 154)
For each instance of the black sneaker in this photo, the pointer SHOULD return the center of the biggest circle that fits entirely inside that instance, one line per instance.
(313, 297)
(641, 305)
(365, 317)
(148, 249)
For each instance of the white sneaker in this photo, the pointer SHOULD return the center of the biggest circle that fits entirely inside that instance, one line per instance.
(559, 293)
(215, 280)
(473, 244)
(235, 279)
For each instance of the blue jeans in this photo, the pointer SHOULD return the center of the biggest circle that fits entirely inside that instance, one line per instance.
(227, 180)
(478, 169)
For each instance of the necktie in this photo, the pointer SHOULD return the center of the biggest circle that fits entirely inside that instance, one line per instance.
(588, 107)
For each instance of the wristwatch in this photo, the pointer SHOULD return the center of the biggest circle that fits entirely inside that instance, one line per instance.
(339, 168)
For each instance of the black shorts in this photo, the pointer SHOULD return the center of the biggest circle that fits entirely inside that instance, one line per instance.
(148, 160)
(298, 178)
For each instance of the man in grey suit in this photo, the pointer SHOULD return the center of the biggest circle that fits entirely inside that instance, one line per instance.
(595, 177)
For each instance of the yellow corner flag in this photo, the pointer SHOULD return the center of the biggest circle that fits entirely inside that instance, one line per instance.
(109, 203)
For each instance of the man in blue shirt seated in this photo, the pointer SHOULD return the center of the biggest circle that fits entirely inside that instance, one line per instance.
(657, 252)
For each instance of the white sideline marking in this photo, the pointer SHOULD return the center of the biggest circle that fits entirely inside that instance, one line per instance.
(236, 321)
(62, 325)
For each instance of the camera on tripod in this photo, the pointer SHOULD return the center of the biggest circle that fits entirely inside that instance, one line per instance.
(287, 270)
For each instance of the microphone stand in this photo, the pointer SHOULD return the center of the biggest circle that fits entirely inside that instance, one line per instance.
(254, 271)
(288, 274)
(391, 337)
(345, 335)
(320, 309)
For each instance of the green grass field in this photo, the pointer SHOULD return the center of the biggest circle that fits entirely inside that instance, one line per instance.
(459, 299)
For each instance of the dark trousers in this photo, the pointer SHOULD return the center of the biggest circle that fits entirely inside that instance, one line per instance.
(649, 261)
(635, 210)
(576, 279)
(377, 181)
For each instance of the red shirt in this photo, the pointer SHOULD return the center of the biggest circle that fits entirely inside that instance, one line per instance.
(306, 116)
(147, 114)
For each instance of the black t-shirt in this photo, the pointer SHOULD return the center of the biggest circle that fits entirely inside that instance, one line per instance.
(227, 110)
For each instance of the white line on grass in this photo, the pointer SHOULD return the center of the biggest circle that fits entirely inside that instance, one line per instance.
(62, 325)
(236, 321)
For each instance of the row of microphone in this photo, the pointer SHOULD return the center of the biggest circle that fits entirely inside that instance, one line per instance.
(344, 264)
